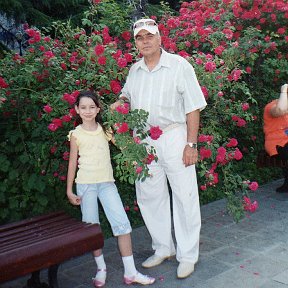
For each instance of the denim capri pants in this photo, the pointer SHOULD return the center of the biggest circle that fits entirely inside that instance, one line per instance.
(110, 200)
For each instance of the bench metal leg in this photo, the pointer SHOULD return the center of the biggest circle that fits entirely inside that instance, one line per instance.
(34, 281)
(52, 276)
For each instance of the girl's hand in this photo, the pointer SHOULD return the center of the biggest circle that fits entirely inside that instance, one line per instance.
(74, 199)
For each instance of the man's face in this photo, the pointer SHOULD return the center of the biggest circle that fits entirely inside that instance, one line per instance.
(148, 43)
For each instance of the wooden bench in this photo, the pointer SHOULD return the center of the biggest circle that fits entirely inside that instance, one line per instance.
(28, 246)
(264, 160)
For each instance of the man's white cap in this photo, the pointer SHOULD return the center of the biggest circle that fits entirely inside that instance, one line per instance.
(147, 24)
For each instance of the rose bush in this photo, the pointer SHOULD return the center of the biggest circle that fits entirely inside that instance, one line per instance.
(238, 50)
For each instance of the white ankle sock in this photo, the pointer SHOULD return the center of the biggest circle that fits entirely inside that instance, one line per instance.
(100, 262)
(129, 266)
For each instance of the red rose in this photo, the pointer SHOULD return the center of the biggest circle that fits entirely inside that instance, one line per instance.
(123, 109)
(115, 86)
(232, 143)
(155, 132)
(121, 127)
(48, 109)
(253, 186)
(3, 84)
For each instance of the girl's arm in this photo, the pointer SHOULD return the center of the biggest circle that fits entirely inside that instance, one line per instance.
(113, 139)
(72, 166)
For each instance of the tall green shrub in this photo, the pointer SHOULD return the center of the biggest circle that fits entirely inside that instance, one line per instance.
(229, 53)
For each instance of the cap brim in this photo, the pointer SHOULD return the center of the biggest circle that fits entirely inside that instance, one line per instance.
(150, 29)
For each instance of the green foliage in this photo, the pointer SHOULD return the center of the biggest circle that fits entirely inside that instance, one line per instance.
(32, 153)
(131, 161)
(42, 13)
(114, 15)
(238, 67)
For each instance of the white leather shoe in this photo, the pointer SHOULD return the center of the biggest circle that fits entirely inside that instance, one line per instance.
(185, 269)
(155, 260)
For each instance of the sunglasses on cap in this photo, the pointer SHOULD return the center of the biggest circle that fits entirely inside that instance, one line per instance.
(144, 23)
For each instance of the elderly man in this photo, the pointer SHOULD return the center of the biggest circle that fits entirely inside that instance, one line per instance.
(276, 131)
(166, 86)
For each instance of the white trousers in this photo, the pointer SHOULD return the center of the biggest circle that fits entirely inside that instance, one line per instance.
(154, 200)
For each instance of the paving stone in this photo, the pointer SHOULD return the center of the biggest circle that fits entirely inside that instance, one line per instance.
(273, 284)
(279, 253)
(251, 225)
(228, 235)
(209, 268)
(255, 243)
(250, 254)
(209, 246)
(264, 266)
(236, 278)
(233, 255)
(282, 277)
(213, 208)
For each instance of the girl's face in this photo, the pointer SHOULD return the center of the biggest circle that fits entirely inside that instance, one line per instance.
(87, 109)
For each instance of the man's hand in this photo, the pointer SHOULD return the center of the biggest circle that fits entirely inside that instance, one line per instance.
(114, 105)
(190, 156)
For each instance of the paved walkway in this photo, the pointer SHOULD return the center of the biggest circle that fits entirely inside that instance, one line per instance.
(250, 254)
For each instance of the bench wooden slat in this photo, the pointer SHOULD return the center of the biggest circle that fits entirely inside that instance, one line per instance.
(35, 236)
(38, 229)
(22, 223)
(54, 238)
(34, 228)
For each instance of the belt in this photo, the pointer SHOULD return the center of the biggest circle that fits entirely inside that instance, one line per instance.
(171, 126)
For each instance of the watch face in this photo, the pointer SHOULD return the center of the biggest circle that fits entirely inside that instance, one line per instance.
(192, 145)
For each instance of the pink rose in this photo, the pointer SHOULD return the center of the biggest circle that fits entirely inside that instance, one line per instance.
(218, 50)
(126, 35)
(149, 159)
(65, 156)
(66, 118)
(241, 122)
(69, 98)
(205, 153)
(57, 122)
(115, 86)
(138, 169)
(253, 186)
(3, 84)
(210, 66)
(102, 60)
(232, 143)
(47, 108)
(122, 62)
(99, 49)
(123, 108)
(155, 132)
(52, 127)
(121, 127)
(245, 106)
(238, 155)
(137, 140)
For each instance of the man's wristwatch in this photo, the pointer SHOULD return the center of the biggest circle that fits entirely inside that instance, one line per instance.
(192, 145)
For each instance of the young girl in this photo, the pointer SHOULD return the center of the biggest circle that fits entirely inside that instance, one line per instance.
(95, 181)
